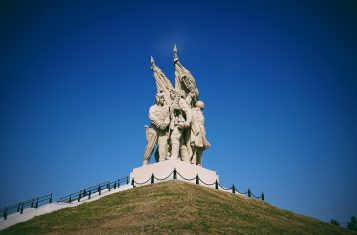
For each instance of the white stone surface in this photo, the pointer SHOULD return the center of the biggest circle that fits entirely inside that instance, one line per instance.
(32, 212)
(163, 169)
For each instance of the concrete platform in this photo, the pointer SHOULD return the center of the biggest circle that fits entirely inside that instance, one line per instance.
(162, 170)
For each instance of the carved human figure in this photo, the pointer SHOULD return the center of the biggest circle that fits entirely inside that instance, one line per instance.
(181, 119)
(159, 116)
(198, 135)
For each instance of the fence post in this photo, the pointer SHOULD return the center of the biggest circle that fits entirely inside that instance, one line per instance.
(263, 196)
(216, 184)
(115, 185)
(234, 189)
(175, 174)
(90, 192)
(249, 193)
(18, 207)
(5, 213)
(32, 202)
(119, 183)
(127, 180)
(79, 195)
(175, 177)
(108, 186)
(22, 208)
(152, 178)
(100, 190)
(132, 182)
(70, 198)
(197, 179)
(51, 198)
(36, 205)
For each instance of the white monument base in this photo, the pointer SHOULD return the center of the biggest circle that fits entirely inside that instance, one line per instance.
(164, 171)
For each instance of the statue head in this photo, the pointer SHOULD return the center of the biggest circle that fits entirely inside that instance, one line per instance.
(177, 93)
(200, 104)
(160, 99)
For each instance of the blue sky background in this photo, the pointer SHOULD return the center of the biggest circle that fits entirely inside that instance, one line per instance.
(279, 79)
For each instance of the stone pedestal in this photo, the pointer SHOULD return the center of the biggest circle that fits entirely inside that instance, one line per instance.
(164, 171)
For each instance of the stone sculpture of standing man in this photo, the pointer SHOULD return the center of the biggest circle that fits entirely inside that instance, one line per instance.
(159, 116)
(198, 136)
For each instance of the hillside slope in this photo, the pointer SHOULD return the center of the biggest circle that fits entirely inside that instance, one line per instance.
(177, 208)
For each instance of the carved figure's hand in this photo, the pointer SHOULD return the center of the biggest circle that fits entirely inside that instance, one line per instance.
(187, 124)
(180, 126)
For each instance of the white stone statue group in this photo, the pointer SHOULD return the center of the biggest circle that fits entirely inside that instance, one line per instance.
(177, 121)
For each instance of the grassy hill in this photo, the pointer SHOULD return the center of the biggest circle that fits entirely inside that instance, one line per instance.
(174, 208)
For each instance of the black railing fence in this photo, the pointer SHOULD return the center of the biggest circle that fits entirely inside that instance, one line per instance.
(197, 179)
(19, 207)
(39, 201)
(88, 192)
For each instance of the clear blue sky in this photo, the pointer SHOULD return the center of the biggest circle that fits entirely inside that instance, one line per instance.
(279, 79)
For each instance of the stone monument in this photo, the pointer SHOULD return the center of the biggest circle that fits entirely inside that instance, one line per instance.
(177, 121)
(177, 130)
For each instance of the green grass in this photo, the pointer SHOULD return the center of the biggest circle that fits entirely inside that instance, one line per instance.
(174, 208)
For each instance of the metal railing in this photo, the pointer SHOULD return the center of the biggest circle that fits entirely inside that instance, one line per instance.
(88, 192)
(21, 206)
(108, 186)
(39, 201)
(197, 179)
